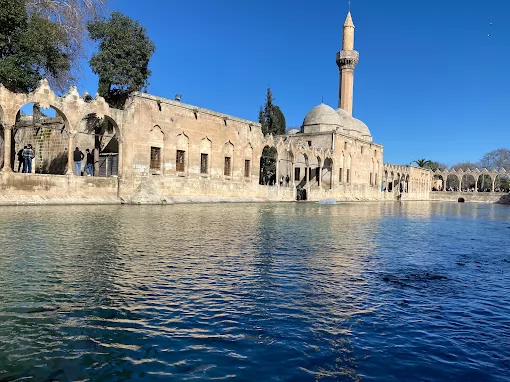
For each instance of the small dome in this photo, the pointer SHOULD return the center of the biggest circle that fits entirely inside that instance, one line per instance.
(292, 131)
(322, 115)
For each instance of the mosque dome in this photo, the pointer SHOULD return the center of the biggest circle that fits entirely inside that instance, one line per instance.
(363, 129)
(322, 115)
(292, 131)
(353, 126)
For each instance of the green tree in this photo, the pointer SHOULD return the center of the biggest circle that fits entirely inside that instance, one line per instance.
(271, 117)
(31, 48)
(122, 62)
(273, 122)
(422, 163)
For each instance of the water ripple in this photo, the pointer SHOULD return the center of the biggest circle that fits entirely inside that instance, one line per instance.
(252, 292)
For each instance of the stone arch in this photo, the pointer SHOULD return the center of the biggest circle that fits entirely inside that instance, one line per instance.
(502, 183)
(438, 182)
(268, 160)
(452, 182)
(391, 181)
(468, 182)
(484, 182)
(205, 156)
(181, 154)
(327, 174)
(47, 131)
(314, 165)
(228, 153)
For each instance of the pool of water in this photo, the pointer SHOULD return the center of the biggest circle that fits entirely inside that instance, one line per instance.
(256, 292)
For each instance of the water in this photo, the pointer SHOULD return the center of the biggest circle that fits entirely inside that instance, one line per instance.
(256, 292)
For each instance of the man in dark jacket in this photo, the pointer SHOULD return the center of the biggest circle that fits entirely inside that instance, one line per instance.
(21, 160)
(89, 164)
(77, 157)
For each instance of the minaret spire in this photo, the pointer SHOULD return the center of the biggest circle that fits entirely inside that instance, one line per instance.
(347, 59)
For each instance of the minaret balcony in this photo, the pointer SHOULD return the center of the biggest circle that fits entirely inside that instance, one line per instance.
(347, 59)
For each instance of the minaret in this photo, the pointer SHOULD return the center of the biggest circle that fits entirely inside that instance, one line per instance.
(347, 59)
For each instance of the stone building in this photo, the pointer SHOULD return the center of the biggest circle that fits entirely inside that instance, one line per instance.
(160, 150)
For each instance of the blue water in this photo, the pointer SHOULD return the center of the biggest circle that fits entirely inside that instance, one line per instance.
(256, 292)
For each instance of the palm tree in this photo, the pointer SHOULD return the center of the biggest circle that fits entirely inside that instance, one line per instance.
(423, 163)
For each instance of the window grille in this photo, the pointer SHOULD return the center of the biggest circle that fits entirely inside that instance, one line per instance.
(204, 159)
(155, 158)
(179, 161)
(247, 167)
(227, 169)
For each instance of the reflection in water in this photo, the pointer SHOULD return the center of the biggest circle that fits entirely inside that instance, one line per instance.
(384, 291)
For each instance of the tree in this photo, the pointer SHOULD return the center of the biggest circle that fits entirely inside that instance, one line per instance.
(271, 117)
(31, 48)
(122, 62)
(273, 122)
(496, 159)
(71, 17)
(422, 163)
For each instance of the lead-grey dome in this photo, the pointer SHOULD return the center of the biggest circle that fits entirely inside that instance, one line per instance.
(292, 131)
(363, 129)
(353, 126)
(322, 115)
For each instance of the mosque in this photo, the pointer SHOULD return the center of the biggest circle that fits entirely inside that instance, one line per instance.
(158, 150)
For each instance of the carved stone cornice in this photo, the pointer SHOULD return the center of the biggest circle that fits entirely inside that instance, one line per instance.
(347, 59)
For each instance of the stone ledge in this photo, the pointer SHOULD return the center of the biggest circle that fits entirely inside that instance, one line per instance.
(35, 200)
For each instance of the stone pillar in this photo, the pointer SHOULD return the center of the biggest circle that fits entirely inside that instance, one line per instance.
(120, 160)
(333, 172)
(307, 183)
(70, 149)
(277, 170)
(493, 184)
(291, 175)
(7, 149)
(319, 182)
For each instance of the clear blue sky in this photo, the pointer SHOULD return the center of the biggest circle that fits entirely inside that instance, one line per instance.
(430, 82)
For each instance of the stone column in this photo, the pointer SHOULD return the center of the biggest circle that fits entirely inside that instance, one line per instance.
(493, 184)
(120, 160)
(307, 183)
(277, 170)
(319, 182)
(333, 172)
(7, 149)
(70, 148)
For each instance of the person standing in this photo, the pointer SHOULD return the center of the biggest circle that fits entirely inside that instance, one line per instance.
(77, 157)
(21, 160)
(287, 180)
(89, 164)
(28, 155)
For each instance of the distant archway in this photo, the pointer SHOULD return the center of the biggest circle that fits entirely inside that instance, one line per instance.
(268, 166)
(452, 182)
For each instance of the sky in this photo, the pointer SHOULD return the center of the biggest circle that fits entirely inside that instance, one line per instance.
(430, 82)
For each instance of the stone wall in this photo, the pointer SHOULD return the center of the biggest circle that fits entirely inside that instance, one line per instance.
(469, 197)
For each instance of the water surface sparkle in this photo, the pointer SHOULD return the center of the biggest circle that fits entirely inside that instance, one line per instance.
(362, 291)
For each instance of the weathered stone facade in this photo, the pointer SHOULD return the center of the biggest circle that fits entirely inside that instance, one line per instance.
(157, 150)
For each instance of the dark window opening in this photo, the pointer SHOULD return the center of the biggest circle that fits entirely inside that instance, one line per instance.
(348, 176)
(340, 175)
(179, 161)
(345, 145)
(204, 159)
(155, 158)
(297, 174)
(159, 105)
(225, 121)
(309, 143)
(196, 114)
(247, 167)
(227, 168)
(371, 179)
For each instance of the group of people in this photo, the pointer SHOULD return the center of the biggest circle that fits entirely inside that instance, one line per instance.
(25, 156)
(78, 156)
(287, 180)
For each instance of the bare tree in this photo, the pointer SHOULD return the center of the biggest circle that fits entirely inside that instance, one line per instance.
(72, 16)
(496, 159)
